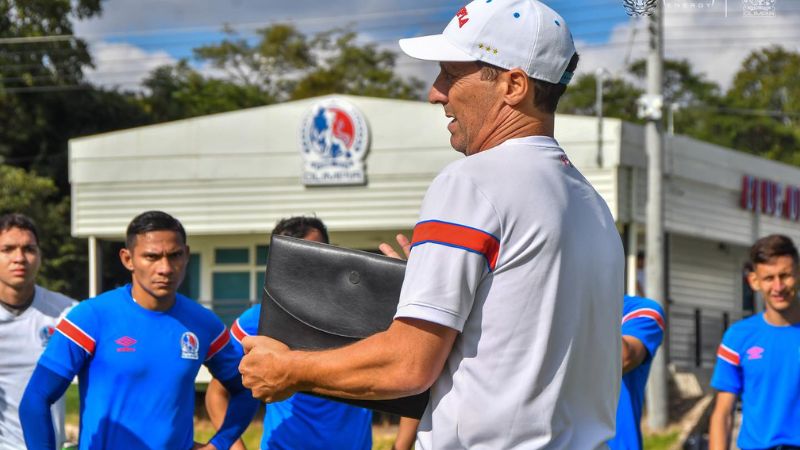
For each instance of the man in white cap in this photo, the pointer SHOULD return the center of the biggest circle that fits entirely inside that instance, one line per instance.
(510, 307)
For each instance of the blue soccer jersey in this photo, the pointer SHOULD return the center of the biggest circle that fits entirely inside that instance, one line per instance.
(136, 368)
(643, 319)
(304, 421)
(761, 363)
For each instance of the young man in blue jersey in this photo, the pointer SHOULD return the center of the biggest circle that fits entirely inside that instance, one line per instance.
(301, 421)
(759, 358)
(136, 351)
(642, 332)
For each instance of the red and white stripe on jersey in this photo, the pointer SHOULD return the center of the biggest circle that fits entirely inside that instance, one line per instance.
(75, 334)
(728, 355)
(647, 313)
(459, 236)
(218, 343)
(238, 332)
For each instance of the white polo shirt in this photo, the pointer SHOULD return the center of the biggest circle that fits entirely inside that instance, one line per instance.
(519, 253)
(22, 340)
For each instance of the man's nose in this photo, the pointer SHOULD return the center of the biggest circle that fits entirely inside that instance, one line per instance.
(438, 91)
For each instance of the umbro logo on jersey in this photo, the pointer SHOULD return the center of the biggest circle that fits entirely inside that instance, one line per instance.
(126, 344)
(755, 352)
(190, 346)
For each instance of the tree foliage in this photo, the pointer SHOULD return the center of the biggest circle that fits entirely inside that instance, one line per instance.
(281, 64)
(758, 114)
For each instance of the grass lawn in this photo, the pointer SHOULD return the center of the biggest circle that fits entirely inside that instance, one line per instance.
(382, 437)
(660, 441)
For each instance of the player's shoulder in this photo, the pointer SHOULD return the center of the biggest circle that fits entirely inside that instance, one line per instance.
(632, 304)
(52, 303)
(249, 319)
(745, 327)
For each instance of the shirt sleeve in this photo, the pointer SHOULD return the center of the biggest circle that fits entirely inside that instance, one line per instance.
(222, 359)
(645, 323)
(74, 342)
(455, 246)
(245, 325)
(728, 370)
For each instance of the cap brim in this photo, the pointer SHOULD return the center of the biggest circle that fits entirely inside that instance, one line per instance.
(433, 48)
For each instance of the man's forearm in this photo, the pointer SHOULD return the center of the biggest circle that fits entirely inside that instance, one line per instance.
(241, 408)
(403, 360)
(44, 388)
(382, 366)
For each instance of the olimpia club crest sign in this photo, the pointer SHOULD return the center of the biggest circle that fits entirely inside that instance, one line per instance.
(334, 139)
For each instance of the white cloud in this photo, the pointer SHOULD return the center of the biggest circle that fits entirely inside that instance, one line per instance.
(715, 44)
(123, 65)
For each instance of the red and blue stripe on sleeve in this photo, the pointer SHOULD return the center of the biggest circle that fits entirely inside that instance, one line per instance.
(728, 355)
(645, 313)
(458, 236)
(218, 343)
(238, 332)
(75, 334)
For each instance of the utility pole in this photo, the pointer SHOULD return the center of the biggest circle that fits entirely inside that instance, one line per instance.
(651, 108)
(600, 75)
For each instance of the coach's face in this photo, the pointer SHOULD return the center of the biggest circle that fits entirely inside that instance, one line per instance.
(472, 103)
(777, 281)
(19, 258)
(157, 263)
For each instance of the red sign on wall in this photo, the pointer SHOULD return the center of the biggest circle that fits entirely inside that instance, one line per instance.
(770, 197)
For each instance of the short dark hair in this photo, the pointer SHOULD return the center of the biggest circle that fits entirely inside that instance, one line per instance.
(770, 247)
(21, 221)
(152, 221)
(300, 226)
(545, 94)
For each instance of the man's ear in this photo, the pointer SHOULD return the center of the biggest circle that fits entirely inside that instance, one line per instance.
(752, 279)
(126, 258)
(517, 87)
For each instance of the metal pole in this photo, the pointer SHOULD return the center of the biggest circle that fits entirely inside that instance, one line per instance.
(633, 249)
(657, 405)
(93, 267)
(598, 107)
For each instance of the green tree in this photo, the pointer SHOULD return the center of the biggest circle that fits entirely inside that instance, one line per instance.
(179, 92)
(63, 257)
(44, 99)
(345, 67)
(282, 64)
(619, 98)
(762, 107)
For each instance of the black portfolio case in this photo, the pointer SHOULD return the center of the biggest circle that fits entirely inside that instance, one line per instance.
(318, 296)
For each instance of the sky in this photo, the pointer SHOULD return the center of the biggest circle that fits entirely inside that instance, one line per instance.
(132, 37)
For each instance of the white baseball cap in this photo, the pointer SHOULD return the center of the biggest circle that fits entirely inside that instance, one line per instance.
(510, 34)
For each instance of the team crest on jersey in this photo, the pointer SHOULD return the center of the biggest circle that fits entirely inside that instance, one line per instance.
(190, 346)
(334, 139)
(45, 333)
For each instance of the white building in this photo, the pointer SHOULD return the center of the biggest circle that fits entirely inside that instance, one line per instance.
(230, 177)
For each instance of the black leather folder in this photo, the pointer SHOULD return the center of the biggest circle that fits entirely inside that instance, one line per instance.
(319, 296)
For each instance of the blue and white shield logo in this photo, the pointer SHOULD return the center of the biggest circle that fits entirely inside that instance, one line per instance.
(190, 346)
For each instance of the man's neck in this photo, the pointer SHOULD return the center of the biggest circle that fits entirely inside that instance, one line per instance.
(789, 316)
(17, 300)
(518, 125)
(148, 301)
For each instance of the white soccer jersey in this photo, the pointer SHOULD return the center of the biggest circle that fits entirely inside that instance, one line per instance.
(518, 252)
(22, 340)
